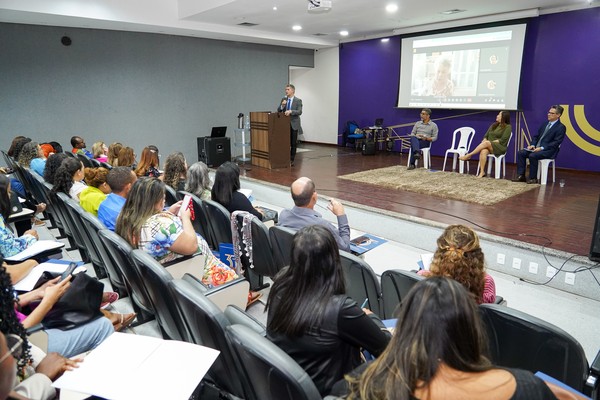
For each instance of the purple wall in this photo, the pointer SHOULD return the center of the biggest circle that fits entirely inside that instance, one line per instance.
(560, 66)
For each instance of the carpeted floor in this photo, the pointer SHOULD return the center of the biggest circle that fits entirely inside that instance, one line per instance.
(447, 185)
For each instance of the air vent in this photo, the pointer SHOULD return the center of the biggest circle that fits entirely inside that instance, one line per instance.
(319, 34)
(247, 24)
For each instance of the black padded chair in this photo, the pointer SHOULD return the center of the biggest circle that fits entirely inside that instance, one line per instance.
(170, 196)
(95, 163)
(519, 340)
(105, 165)
(268, 372)
(282, 240)
(120, 252)
(220, 225)
(262, 253)
(93, 227)
(156, 280)
(74, 229)
(200, 221)
(77, 213)
(361, 282)
(395, 285)
(206, 324)
(87, 163)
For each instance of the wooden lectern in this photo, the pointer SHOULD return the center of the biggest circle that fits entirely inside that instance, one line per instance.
(270, 133)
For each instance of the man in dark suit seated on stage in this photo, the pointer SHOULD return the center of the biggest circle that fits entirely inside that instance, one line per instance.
(303, 214)
(292, 106)
(544, 145)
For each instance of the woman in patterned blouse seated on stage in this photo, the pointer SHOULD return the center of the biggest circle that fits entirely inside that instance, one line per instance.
(166, 234)
(459, 256)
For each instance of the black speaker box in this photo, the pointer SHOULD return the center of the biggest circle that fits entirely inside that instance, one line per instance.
(214, 151)
(368, 148)
(595, 246)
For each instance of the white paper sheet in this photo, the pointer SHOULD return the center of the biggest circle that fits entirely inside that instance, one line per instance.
(26, 284)
(38, 247)
(127, 366)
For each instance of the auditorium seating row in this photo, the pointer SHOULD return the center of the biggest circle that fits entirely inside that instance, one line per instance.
(249, 365)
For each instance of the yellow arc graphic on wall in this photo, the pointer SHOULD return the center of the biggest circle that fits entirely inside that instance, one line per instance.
(584, 125)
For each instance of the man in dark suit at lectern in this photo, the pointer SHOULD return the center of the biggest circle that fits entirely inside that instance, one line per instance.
(292, 106)
(545, 145)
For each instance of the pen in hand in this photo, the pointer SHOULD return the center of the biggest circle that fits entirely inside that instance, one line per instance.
(364, 304)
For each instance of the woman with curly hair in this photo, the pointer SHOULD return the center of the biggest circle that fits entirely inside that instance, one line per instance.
(96, 191)
(113, 154)
(32, 156)
(68, 178)
(198, 182)
(166, 235)
(52, 164)
(459, 256)
(175, 171)
(438, 351)
(148, 165)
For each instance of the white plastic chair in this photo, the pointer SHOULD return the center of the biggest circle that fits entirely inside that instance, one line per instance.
(425, 152)
(460, 147)
(499, 161)
(543, 166)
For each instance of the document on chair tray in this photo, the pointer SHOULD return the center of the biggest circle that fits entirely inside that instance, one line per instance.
(147, 368)
(59, 266)
(37, 248)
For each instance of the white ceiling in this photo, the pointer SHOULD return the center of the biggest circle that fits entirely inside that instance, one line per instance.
(220, 19)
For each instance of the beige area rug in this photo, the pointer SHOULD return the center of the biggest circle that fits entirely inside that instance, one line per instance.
(447, 185)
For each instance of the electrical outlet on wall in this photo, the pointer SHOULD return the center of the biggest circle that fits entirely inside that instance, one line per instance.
(569, 278)
(533, 267)
(550, 271)
(500, 258)
(516, 263)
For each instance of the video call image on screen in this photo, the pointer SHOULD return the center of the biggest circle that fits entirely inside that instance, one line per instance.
(476, 69)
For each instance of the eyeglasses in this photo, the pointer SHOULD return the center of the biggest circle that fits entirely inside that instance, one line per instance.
(14, 344)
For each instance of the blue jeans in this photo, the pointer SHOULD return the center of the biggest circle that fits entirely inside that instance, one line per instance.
(79, 340)
(415, 147)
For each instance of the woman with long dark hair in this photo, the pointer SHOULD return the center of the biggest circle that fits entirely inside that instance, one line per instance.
(175, 171)
(312, 319)
(68, 178)
(225, 190)
(459, 256)
(52, 163)
(494, 142)
(10, 244)
(438, 352)
(166, 235)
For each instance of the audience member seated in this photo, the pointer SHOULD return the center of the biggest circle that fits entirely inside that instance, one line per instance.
(422, 135)
(16, 145)
(25, 377)
(166, 235)
(126, 158)
(438, 352)
(32, 156)
(18, 271)
(494, 142)
(57, 147)
(198, 182)
(69, 342)
(459, 256)
(305, 198)
(175, 171)
(95, 193)
(52, 163)
(100, 151)
(148, 165)
(10, 244)
(120, 180)
(225, 190)
(68, 178)
(113, 154)
(47, 149)
(79, 147)
(312, 319)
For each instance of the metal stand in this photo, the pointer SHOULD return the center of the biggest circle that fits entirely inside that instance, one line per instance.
(242, 141)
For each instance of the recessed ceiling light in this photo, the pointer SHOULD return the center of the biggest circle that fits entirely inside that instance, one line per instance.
(391, 8)
(385, 40)
(343, 33)
(274, 8)
(297, 27)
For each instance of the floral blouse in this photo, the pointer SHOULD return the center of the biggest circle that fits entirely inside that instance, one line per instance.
(11, 244)
(162, 230)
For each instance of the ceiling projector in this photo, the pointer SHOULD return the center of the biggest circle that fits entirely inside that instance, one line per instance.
(319, 6)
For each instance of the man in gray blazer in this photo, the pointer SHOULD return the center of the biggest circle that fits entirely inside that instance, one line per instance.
(292, 106)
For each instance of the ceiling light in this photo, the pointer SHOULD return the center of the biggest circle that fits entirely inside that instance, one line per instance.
(385, 40)
(391, 8)
(297, 27)
(343, 33)
(274, 8)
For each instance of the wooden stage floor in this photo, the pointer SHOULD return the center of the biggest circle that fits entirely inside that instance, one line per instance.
(560, 218)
